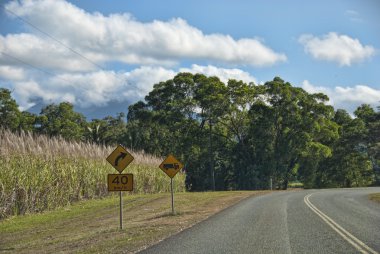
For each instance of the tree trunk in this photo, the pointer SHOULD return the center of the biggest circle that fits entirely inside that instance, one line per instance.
(285, 186)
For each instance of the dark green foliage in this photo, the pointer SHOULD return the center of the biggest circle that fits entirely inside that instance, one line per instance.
(9, 112)
(62, 120)
(242, 135)
(27, 121)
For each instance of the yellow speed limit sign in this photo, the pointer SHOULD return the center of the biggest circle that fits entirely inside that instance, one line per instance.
(120, 182)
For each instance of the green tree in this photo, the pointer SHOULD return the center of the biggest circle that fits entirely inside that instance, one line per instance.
(9, 112)
(350, 165)
(62, 120)
(289, 129)
(176, 118)
(372, 138)
(27, 121)
(240, 135)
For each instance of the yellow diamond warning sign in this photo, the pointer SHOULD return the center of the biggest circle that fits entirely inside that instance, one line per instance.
(171, 166)
(120, 158)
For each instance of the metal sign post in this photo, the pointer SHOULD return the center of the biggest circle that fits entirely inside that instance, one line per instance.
(121, 211)
(171, 166)
(271, 184)
(171, 188)
(120, 158)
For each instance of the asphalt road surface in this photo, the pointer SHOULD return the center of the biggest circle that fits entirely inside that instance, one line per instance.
(308, 221)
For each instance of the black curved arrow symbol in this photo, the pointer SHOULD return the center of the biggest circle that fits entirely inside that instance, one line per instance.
(120, 157)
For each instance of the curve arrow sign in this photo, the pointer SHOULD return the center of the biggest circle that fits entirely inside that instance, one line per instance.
(120, 157)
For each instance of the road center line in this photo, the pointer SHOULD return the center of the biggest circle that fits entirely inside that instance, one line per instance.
(359, 245)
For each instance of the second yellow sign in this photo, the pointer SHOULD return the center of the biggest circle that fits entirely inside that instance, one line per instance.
(171, 166)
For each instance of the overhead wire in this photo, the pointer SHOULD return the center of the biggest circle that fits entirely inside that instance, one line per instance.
(62, 44)
(33, 66)
(53, 38)
(68, 82)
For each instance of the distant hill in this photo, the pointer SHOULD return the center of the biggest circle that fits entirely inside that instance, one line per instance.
(111, 109)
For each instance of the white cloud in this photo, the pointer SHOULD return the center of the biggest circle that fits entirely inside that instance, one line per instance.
(333, 47)
(19, 49)
(353, 16)
(39, 69)
(308, 87)
(348, 98)
(223, 74)
(11, 73)
(26, 91)
(145, 77)
(120, 37)
(98, 88)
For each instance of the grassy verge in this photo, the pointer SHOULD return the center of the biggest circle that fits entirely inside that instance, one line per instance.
(93, 226)
(375, 197)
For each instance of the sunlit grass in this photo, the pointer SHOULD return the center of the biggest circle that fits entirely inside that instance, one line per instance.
(375, 197)
(295, 185)
(92, 226)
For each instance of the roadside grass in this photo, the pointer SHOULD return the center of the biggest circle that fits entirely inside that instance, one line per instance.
(375, 197)
(93, 226)
(295, 185)
(39, 173)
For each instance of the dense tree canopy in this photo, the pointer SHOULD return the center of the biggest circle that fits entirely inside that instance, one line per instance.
(230, 136)
(62, 120)
(9, 112)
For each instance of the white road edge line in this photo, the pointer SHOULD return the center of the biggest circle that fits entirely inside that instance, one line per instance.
(359, 245)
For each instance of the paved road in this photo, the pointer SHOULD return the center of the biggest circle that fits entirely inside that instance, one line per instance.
(327, 221)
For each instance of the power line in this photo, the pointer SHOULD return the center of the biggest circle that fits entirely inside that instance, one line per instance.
(53, 38)
(68, 82)
(62, 44)
(33, 66)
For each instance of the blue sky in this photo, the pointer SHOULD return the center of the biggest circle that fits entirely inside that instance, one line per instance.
(322, 46)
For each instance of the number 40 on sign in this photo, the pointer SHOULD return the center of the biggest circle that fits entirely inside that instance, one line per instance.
(120, 182)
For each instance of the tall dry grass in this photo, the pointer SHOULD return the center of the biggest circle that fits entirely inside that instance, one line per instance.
(27, 143)
(39, 173)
